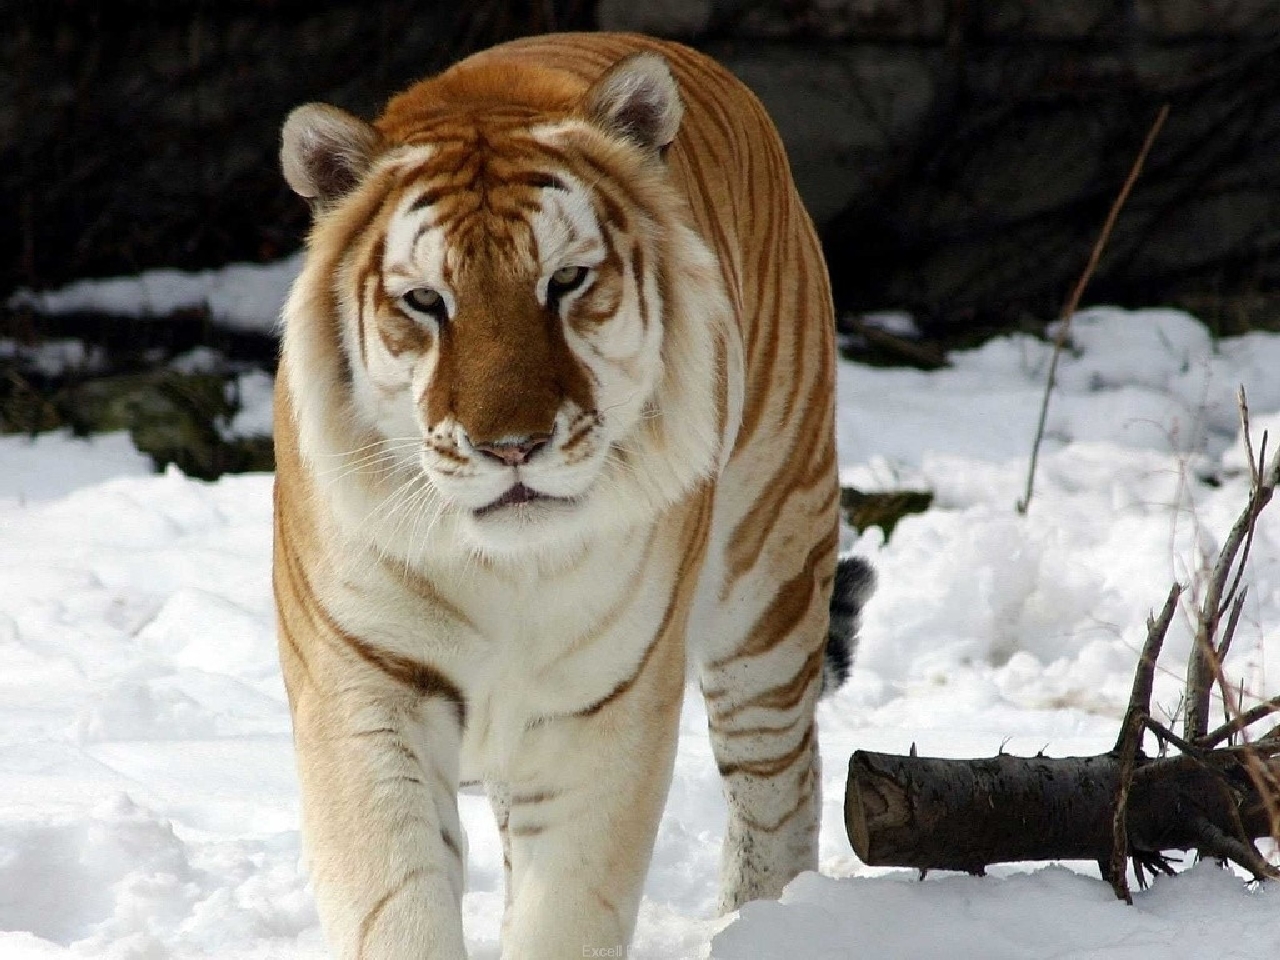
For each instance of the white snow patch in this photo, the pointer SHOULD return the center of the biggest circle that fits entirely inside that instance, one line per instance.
(51, 465)
(1004, 918)
(241, 296)
(254, 391)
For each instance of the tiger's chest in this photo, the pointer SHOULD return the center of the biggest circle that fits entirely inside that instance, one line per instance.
(541, 646)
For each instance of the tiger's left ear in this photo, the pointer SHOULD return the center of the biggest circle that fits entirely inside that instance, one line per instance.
(638, 101)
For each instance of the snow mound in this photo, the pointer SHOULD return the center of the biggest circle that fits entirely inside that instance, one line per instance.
(1006, 918)
(120, 880)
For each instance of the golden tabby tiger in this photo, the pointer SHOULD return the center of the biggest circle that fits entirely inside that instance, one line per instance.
(554, 417)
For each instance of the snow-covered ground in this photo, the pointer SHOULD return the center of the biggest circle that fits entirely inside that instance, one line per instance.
(148, 807)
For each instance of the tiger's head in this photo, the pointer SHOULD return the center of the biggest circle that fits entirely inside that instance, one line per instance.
(505, 324)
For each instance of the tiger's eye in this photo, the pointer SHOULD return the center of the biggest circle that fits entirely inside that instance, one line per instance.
(425, 300)
(565, 280)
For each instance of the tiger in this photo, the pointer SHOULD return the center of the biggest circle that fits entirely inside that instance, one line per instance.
(554, 429)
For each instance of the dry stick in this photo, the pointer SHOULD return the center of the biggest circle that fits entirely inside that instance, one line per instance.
(1233, 619)
(1239, 723)
(1267, 784)
(1130, 739)
(1218, 843)
(1166, 735)
(1069, 309)
(1205, 663)
(1256, 464)
(1224, 647)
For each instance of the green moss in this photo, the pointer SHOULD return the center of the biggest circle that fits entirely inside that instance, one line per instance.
(883, 510)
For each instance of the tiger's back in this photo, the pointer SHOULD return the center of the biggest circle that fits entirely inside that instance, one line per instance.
(555, 414)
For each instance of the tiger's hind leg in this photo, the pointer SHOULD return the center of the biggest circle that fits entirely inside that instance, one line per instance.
(761, 680)
(760, 714)
(760, 711)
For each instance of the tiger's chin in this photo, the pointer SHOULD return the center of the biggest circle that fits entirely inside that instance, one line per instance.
(523, 521)
(521, 498)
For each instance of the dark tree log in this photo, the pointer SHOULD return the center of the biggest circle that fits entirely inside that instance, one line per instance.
(933, 813)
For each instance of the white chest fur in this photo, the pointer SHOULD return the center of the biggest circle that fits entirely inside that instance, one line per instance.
(523, 643)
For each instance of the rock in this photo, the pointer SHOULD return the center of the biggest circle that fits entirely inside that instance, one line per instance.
(959, 158)
(659, 18)
(845, 114)
(177, 405)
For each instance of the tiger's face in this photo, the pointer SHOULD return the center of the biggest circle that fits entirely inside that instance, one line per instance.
(513, 329)
(502, 288)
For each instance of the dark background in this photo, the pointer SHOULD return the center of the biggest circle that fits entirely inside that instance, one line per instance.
(959, 157)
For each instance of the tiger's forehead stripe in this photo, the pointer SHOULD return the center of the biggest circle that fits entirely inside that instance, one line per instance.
(473, 201)
(534, 179)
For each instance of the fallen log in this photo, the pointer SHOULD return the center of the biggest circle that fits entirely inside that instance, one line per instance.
(931, 813)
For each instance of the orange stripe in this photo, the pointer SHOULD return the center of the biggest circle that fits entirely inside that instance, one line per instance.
(783, 697)
(424, 679)
(773, 766)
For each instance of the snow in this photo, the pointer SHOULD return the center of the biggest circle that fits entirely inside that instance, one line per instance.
(148, 805)
(242, 296)
(52, 465)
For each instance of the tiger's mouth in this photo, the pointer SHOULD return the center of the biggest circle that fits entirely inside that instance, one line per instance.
(519, 495)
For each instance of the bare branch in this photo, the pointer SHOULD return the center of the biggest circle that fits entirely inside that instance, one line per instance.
(1205, 663)
(1130, 740)
(1233, 621)
(1216, 842)
(1242, 405)
(1144, 674)
(1238, 723)
(1164, 733)
(1073, 301)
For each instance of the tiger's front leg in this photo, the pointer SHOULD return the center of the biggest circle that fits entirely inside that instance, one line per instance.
(587, 793)
(378, 768)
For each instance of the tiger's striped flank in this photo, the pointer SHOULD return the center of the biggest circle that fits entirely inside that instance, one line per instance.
(554, 420)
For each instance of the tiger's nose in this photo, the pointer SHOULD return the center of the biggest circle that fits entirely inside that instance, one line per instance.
(514, 451)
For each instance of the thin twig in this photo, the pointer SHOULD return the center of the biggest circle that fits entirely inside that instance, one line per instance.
(1069, 309)
(1131, 735)
(1238, 723)
(1168, 736)
(1130, 740)
(1218, 843)
(1242, 404)
(1205, 662)
(1144, 675)
(1229, 634)
(1255, 481)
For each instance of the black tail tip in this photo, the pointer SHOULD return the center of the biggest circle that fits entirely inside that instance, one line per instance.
(854, 583)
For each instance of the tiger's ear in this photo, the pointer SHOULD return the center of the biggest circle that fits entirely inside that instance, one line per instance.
(325, 151)
(638, 101)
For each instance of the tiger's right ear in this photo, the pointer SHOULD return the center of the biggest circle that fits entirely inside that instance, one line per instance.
(325, 151)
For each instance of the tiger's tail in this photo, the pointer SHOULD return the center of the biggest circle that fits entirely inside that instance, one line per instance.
(855, 582)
